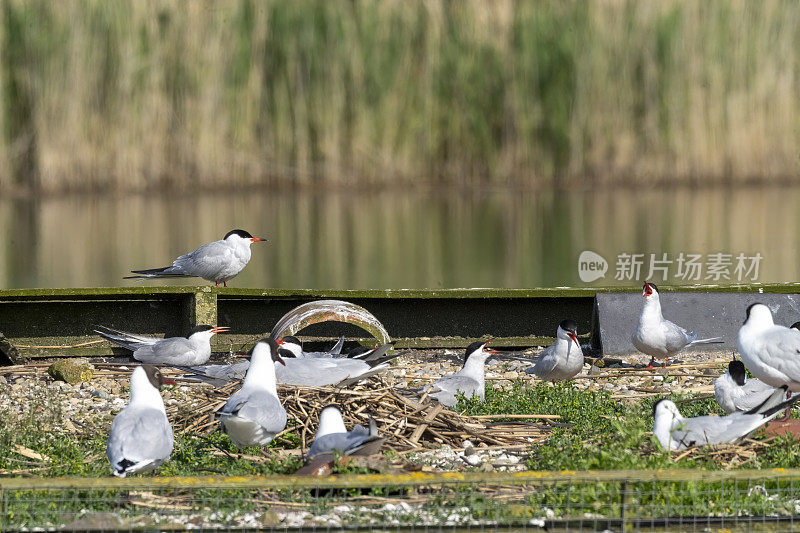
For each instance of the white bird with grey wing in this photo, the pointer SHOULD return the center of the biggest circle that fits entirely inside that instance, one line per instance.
(254, 415)
(359, 364)
(658, 337)
(332, 436)
(771, 352)
(469, 381)
(564, 359)
(217, 261)
(141, 436)
(734, 392)
(674, 432)
(194, 349)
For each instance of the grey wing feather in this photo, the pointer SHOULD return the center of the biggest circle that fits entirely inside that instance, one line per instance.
(164, 351)
(452, 385)
(545, 363)
(676, 337)
(319, 372)
(259, 406)
(756, 393)
(139, 435)
(716, 429)
(207, 261)
(125, 339)
(344, 442)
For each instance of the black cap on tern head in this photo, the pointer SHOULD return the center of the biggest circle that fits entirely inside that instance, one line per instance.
(750, 308)
(569, 325)
(240, 232)
(154, 375)
(291, 339)
(655, 405)
(199, 329)
(649, 288)
(472, 347)
(274, 349)
(736, 370)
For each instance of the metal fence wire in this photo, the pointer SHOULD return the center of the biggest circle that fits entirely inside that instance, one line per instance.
(675, 500)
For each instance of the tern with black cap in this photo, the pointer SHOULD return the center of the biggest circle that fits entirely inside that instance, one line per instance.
(771, 352)
(658, 337)
(734, 392)
(562, 360)
(193, 349)
(469, 381)
(141, 436)
(674, 432)
(217, 261)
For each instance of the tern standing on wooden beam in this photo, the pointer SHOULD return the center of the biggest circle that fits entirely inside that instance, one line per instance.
(217, 261)
(657, 336)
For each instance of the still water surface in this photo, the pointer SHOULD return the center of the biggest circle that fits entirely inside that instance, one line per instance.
(399, 240)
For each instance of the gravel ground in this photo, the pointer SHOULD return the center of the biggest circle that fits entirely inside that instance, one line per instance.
(90, 406)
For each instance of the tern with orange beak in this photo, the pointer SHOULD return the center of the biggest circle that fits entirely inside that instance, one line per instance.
(193, 349)
(564, 359)
(217, 261)
(469, 381)
(658, 337)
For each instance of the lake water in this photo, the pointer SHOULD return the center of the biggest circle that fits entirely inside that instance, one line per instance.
(417, 239)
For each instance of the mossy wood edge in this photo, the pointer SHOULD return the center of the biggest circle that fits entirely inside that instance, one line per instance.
(541, 292)
(58, 322)
(415, 479)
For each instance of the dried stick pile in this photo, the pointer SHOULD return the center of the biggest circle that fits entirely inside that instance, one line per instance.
(408, 421)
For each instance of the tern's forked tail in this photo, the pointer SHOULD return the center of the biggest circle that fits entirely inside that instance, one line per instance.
(712, 340)
(163, 272)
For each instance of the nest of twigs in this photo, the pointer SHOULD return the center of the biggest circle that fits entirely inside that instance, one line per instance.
(408, 422)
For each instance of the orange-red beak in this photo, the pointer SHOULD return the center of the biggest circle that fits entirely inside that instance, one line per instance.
(489, 351)
(220, 329)
(168, 381)
(258, 239)
(573, 337)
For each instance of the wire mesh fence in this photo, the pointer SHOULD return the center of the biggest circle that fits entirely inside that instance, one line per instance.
(678, 500)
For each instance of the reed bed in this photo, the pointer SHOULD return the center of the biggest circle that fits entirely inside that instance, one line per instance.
(152, 95)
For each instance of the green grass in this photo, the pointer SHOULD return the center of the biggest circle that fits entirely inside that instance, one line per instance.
(605, 434)
(598, 433)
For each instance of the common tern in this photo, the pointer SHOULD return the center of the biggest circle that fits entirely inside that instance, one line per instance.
(254, 414)
(194, 349)
(734, 392)
(332, 436)
(469, 381)
(293, 344)
(308, 371)
(564, 359)
(674, 432)
(217, 261)
(141, 436)
(770, 351)
(658, 337)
